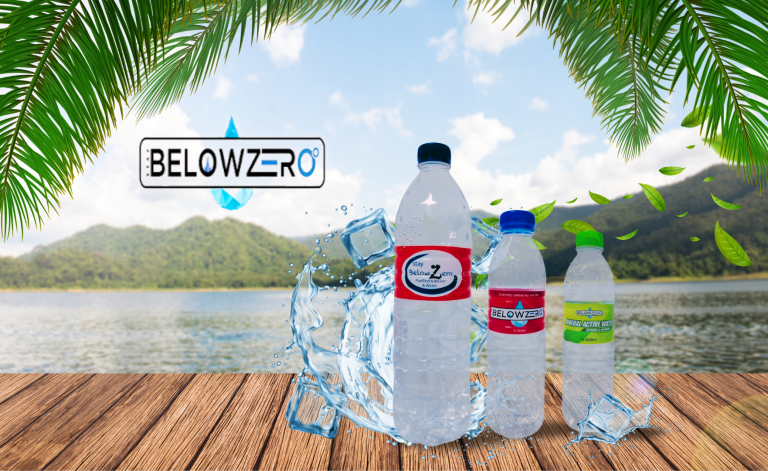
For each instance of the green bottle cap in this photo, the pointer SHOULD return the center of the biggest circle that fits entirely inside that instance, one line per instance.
(589, 239)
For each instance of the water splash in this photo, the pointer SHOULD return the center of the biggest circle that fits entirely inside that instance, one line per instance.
(609, 420)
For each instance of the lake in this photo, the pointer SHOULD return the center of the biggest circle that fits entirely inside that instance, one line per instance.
(713, 326)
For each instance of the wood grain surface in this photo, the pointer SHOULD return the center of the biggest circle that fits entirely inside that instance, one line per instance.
(237, 421)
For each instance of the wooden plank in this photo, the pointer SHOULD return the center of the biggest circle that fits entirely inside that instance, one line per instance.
(10, 383)
(740, 393)
(290, 449)
(44, 439)
(106, 443)
(357, 448)
(548, 444)
(741, 437)
(174, 441)
(490, 450)
(636, 453)
(758, 379)
(447, 456)
(241, 435)
(23, 408)
(680, 441)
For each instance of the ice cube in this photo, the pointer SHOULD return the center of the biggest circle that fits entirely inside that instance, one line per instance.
(484, 241)
(308, 410)
(369, 239)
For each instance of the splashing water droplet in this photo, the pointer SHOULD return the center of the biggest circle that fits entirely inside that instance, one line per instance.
(343, 208)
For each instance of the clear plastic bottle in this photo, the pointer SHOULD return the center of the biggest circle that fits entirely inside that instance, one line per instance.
(516, 346)
(432, 309)
(589, 295)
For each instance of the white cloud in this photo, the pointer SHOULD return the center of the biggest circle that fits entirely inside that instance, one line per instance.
(538, 104)
(337, 99)
(222, 88)
(285, 44)
(567, 173)
(410, 3)
(421, 89)
(445, 44)
(373, 117)
(109, 192)
(254, 77)
(484, 78)
(485, 35)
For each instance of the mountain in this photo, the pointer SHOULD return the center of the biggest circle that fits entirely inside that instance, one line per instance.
(196, 254)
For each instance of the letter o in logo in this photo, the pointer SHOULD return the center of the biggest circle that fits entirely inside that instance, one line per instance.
(312, 155)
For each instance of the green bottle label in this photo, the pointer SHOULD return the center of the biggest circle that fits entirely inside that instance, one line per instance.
(588, 323)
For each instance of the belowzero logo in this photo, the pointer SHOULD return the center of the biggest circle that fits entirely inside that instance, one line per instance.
(232, 162)
(432, 273)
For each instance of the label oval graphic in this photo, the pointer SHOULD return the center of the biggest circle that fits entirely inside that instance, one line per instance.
(432, 273)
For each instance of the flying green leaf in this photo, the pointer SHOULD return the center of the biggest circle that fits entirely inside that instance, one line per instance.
(495, 202)
(541, 212)
(479, 279)
(599, 199)
(682, 215)
(653, 196)
(694, 239)
(472, 336)
(572, 201)
(491, 221)
(575, 226)
(731, 249)
(696, 117)
(671, 170)
(628, 197)
(725, 205)
(628, 236)
(709, 179)
(690, 146)
(539, 245)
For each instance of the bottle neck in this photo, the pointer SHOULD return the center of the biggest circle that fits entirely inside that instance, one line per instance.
(588, 248)
(518, 234)
(434, 166)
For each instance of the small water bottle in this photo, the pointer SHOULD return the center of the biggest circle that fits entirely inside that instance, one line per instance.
(432, 307)
(589, 295)
(516, 336)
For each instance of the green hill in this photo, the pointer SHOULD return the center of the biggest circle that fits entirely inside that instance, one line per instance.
(196, 254)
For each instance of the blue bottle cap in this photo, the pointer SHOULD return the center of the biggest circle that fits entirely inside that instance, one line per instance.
(434, 152)
(517, 222)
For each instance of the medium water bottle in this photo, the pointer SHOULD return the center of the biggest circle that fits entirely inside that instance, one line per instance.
(589, 294)
(516, 336)
(432, 311)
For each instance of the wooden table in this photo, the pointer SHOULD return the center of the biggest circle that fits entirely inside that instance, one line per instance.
(237, 421)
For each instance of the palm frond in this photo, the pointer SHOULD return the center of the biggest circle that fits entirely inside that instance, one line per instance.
(67, 68)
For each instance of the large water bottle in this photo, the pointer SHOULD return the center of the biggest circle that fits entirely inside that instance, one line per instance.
(589, 294)
(432, 318)
(516, 337)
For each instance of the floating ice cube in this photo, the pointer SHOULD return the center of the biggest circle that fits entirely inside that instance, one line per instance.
(308, 410)
(609, 420)
(484, 242)
(369, 239)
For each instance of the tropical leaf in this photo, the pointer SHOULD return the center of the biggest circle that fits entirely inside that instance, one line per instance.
(653, 196)
(695, 239)
(572, 201)
(575, 226)
(671, 170)
(491, 221)
(725, 205)
(730, 249)
(682, 215)
(690, 146)
(628, 236)
(628, 197)
(472, 336)
(695, 118)
(479, 279)
(709, 179)
(495, 202)
(539, 245)
(541, 212)
(599, 199)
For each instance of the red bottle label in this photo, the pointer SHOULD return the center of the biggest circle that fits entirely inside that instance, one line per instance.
(515, 311)
(432, 273)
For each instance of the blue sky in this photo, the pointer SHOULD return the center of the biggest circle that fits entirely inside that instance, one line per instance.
(374, 89)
